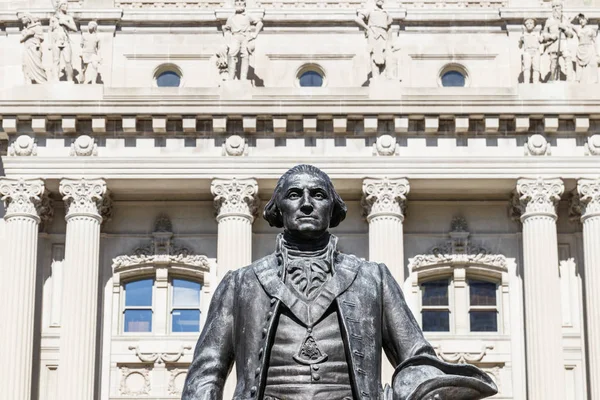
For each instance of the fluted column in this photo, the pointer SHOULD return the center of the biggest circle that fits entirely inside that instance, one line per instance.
(84, 202)
(24, 205)
(545, 361)
(236, 202)
(384, 202)
(589, 192)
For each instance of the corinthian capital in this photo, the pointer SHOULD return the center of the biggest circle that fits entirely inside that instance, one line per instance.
(589, 192)
(235, 197)
(23, 197)
(538, 196)
(384, 197)
(84, 197)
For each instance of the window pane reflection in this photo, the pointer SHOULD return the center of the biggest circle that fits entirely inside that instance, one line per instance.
(168, 79)
(482, 293)
(186, 321)
(311, 79)
(436, 321)
(139, 293)
(186, 293)
(138, 320)
(435, 293)
(453, 79)
(484, 321)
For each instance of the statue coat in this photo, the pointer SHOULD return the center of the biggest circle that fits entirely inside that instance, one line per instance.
(241, 323)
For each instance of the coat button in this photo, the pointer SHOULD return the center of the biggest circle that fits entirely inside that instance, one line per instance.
(316, 376)
(257, 372)
(253, 390)
(315, 367)
(260, 353)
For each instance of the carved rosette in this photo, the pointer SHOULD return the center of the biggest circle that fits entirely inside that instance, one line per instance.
(24, 145)
(384, 197)
(84, 146)
(537, 145)
(385, 146)
(538, 196)
(592, 146)
(84, 197)
(235, 146)
(235, 197)
(589, 192)
(24, 198)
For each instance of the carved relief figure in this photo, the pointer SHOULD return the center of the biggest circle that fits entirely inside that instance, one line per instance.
(241, 31)
(32, 37)
(90, 53)
(530, 43)
(555, 34)
(309, 322)
(586, 57)
(60, 43)
(376, 23)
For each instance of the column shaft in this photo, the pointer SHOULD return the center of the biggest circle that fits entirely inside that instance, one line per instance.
(545, 362)
(589, 190)
(543, 322)
(22, 200)
(234, 248)
(386, 243)
(77, 364)
(79, 309)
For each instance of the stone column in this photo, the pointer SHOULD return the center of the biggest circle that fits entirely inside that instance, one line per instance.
(545, 362)
(384, 202)
(236, 202)
(23, 200)
(84, 204)
(589, 192)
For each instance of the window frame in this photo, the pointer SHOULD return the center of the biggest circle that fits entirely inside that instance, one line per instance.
(124, 307)
(454, 67)
(497, 308)
(448, 308)
(168, 67)
(311, 67)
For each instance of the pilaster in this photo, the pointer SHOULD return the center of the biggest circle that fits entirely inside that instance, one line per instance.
(23, 200)
(589, 192)
(85, 202)
(383, 204)
(236, 203)
(545, 364)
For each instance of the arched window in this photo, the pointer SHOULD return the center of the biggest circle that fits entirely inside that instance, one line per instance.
(185, 306)
(311, 75)
(453, 75)
(168, 75)
(137, 311)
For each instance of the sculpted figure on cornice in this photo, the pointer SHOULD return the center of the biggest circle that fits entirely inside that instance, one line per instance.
(377, 23)
(90, 53)
(241, 31)
(557, 30)
(32, 37)
(60, 43)
(586, 57)
(530, 42)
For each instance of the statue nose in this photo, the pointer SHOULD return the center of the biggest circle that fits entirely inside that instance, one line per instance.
(306, 206)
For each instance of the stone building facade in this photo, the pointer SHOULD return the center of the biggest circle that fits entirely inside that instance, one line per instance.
(127, 199)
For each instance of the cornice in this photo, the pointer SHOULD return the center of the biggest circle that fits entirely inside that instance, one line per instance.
(193, 167)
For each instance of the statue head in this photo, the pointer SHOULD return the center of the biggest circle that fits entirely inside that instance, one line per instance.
(557, 8)
(379, 3)
(26, 19)
(530, 24)
(92, 26)
(240, 6)
(305, 203)
(583, 20)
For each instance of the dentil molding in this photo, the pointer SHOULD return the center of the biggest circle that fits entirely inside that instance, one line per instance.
(384, 197)
(235, 197)
(538, 196)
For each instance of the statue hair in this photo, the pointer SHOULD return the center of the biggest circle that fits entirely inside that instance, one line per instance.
(271, 212)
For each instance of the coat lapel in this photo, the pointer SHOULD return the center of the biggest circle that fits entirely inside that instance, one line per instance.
(308, 314)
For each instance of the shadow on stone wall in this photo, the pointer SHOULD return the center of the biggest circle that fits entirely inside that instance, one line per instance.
(2, 211)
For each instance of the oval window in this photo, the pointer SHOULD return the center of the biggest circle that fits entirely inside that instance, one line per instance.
(453, 79)
(168, 79)
(311, 79)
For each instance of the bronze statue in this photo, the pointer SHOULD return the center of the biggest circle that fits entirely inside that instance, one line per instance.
(309, 322)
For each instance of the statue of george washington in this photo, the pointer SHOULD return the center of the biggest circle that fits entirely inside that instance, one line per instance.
(309, 323)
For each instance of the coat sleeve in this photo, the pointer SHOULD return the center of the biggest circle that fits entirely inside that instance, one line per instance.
(402, 337)
(214, 353)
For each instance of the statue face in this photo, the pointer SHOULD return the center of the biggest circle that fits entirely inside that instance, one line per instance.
(379, 3)
(557, 10)
(529, 24)
(583, 21)
(240, 6)
(63, 6)
(305, 206)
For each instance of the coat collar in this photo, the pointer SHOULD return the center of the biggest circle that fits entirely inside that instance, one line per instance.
(269, 275)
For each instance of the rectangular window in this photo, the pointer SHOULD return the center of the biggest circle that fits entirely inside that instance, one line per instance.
(435, 306)
(483, 312)
(138, 306)
(186, 306)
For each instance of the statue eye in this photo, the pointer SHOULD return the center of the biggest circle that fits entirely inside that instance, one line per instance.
(319, 195)
(293, 195)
